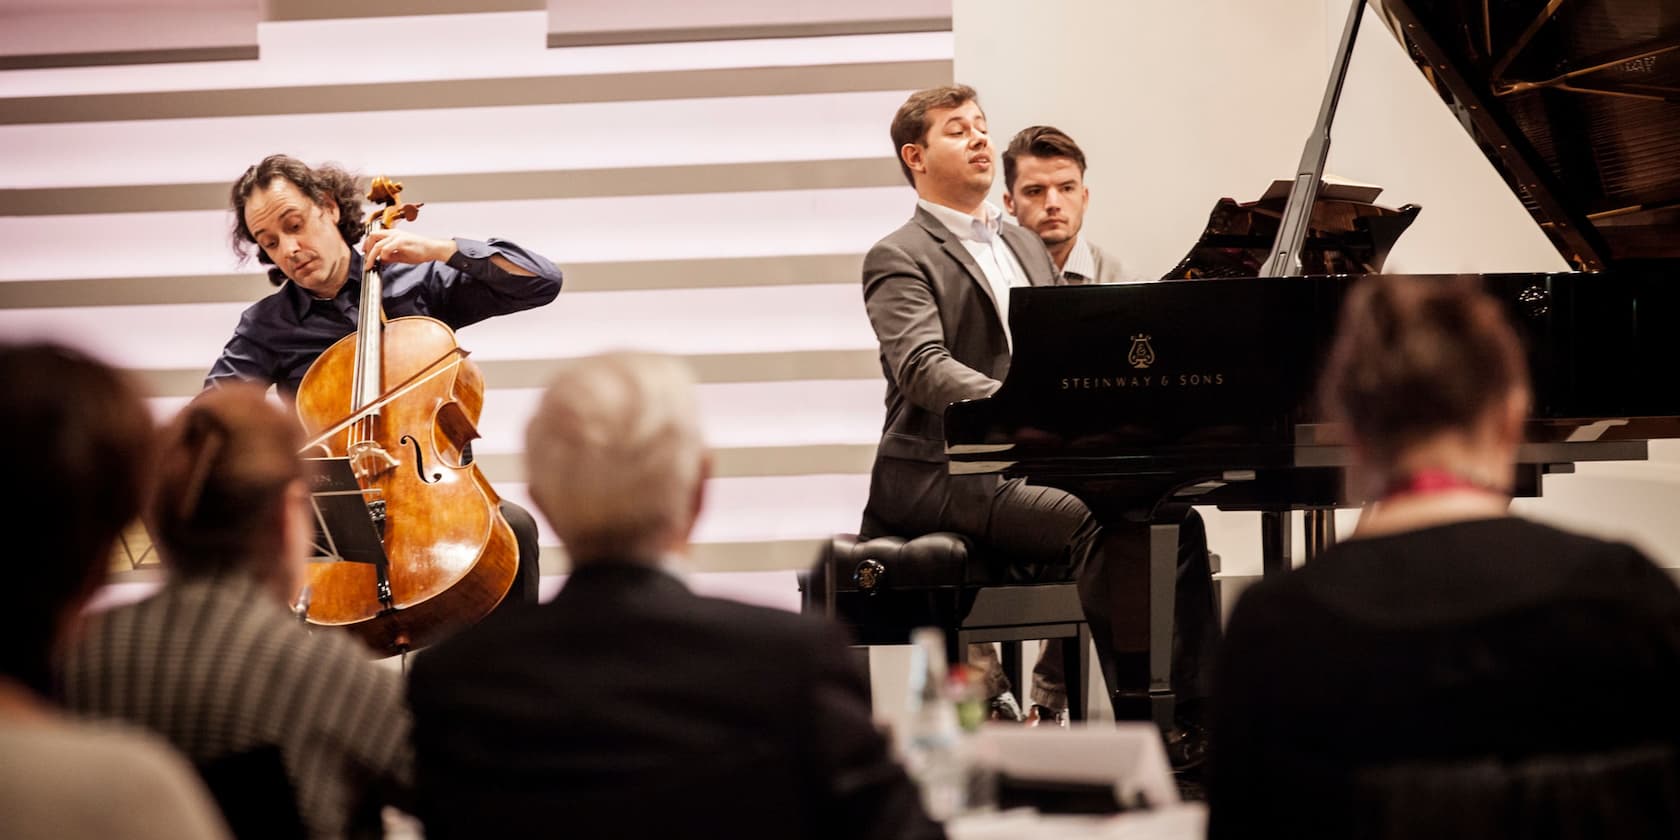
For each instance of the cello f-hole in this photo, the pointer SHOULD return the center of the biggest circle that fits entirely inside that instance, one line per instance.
(412, 442)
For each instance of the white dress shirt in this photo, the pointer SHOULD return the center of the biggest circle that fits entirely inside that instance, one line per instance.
(979, 234)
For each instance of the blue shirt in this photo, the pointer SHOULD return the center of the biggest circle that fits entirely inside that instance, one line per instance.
(280, 336)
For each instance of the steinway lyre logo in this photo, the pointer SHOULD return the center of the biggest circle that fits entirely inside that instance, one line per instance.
(1142, 355)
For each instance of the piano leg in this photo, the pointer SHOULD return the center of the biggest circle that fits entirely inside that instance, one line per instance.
(1163, 594)
(1319, 524)
(1135, 559)
(1275, 535)
(1157, 701)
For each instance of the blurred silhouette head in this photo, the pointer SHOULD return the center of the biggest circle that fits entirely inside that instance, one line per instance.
(1423, 370)
(80, 451)
(231, 495)
(615, 457)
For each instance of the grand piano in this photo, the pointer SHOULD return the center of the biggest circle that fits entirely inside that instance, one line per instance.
(1144, 399)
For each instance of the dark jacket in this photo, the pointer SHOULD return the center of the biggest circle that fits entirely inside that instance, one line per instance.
(629, 707)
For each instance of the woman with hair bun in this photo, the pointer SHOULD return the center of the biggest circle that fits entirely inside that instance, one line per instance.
(297, 733)
(1447, 640)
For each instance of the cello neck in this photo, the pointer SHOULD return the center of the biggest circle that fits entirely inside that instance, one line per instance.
(366, 385)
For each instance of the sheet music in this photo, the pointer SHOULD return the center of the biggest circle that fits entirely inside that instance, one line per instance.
(344, 527)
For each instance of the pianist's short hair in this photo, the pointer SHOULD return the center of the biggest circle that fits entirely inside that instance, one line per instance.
(909, 125)
(1040, 141)
(614, 454)
(224, 466)
(1417, 356)
(323, 184)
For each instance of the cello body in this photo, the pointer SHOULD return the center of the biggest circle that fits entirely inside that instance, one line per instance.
(451, 556)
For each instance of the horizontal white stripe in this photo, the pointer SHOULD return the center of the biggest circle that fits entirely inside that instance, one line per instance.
(454, 140)
(792, 413)
(745, 320)
(732, 414)
(608, 229)
(758, 509)
(175, 336)
(768, 319)
(475, 46)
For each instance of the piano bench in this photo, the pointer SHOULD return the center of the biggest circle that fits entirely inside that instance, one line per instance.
(884, 588)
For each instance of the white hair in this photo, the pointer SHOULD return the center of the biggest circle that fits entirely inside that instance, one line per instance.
(614, 455)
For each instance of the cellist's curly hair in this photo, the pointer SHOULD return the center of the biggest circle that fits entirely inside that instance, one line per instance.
(324, 183)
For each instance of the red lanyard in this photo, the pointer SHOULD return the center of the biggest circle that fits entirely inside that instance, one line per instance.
(1428, 481)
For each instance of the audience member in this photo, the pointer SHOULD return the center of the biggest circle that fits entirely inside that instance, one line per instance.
(1447, 632)
(629, 707)
(79, 454)
(218, 664)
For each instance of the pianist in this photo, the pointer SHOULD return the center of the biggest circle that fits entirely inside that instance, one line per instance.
(937, 295)
(1447, 641)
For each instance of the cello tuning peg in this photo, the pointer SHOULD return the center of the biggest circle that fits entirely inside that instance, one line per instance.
(383, 190)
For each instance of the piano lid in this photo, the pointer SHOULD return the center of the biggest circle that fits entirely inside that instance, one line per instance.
(1576, 103)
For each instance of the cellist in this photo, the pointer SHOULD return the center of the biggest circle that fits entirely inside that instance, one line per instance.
(304, 223)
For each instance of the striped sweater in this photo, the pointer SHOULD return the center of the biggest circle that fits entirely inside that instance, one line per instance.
(218, 667)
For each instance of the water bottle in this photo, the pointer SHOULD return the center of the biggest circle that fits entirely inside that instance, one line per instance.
(934, 751)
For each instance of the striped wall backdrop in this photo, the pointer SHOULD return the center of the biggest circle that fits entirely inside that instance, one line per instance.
(705, 198)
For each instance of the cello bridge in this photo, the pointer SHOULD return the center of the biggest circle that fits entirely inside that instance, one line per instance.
(370, 459)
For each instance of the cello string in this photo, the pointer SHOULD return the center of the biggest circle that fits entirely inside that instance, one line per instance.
(425, 375)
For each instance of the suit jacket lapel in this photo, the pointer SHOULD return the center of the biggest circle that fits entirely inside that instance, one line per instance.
(954, 247)
(1029, 251)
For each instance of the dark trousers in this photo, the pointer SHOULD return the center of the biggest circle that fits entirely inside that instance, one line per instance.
(529, 577)
(1045, 534)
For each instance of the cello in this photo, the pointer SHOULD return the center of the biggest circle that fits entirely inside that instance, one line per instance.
(399, 400)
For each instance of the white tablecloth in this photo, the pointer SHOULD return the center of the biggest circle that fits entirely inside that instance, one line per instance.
(1185, 821)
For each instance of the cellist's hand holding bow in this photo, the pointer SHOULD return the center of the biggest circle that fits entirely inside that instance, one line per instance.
(399, 245)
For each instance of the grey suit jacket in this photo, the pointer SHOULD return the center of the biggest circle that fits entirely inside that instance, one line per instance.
(1109, 269)
(941, 341)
